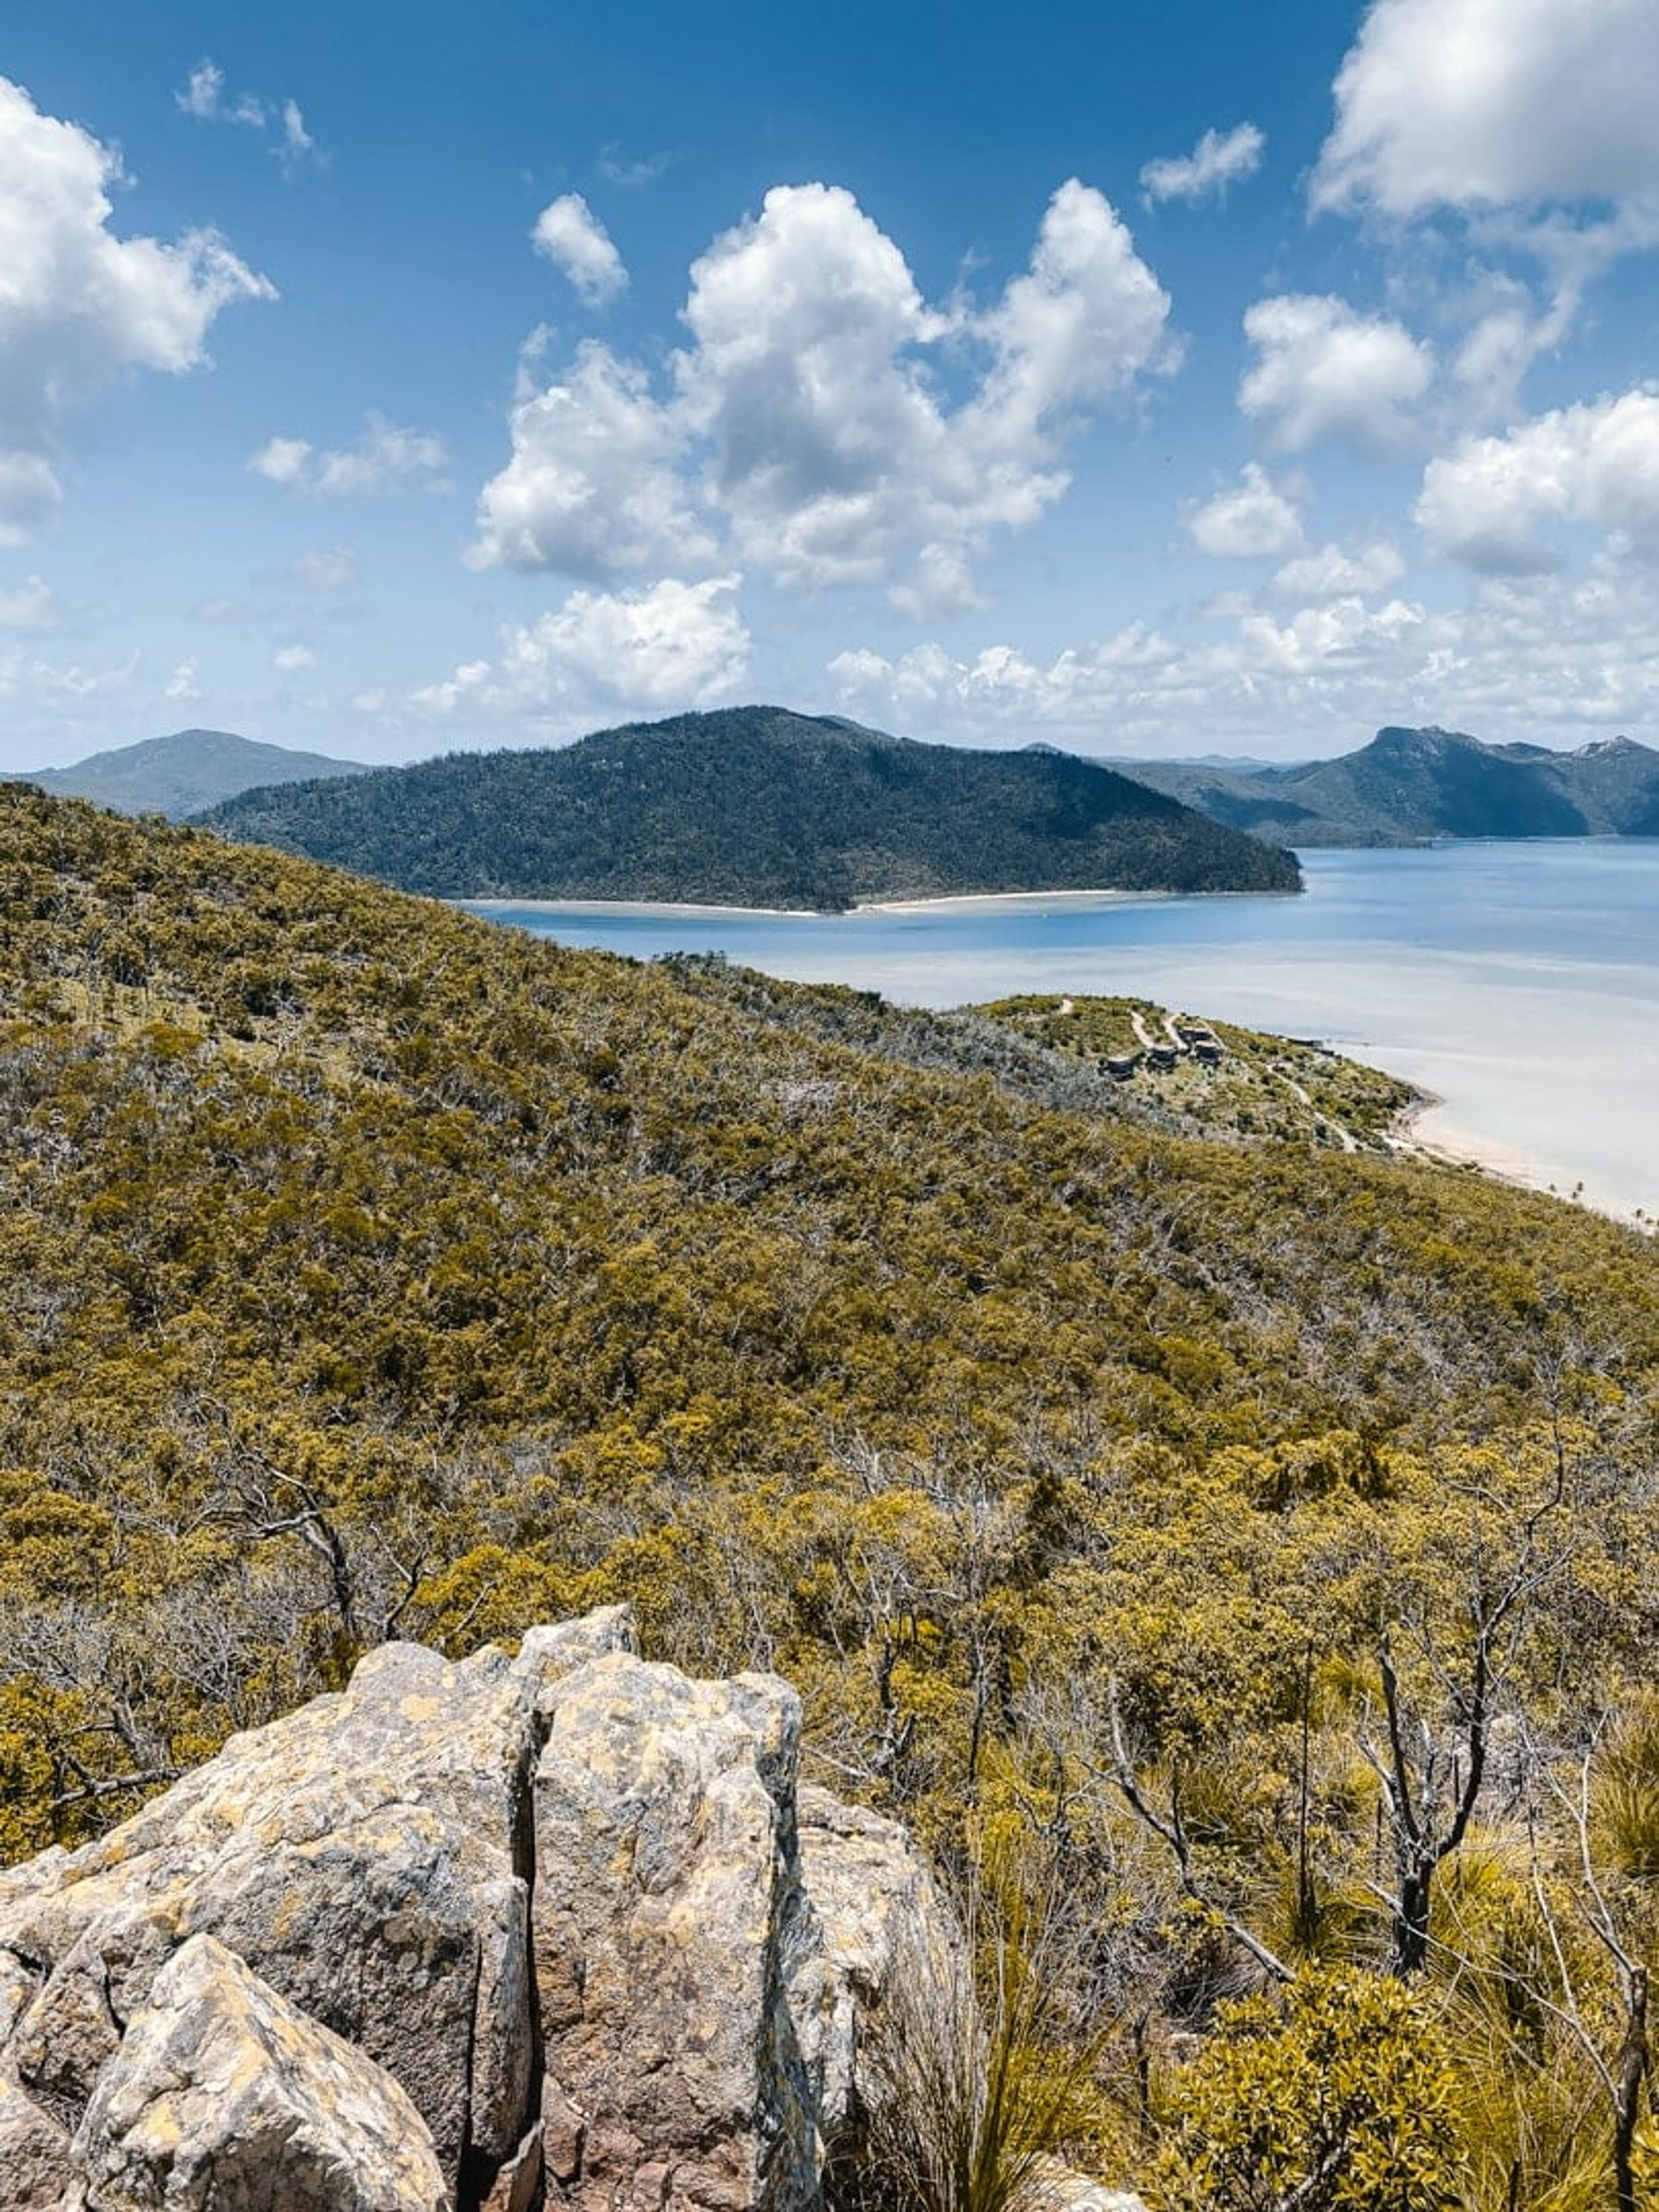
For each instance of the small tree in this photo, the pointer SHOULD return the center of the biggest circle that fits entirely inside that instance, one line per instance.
(1334, 2095)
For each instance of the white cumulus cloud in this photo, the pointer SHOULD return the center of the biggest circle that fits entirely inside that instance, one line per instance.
(296, 145)
(595, 483)
(1323, 370)
(571, 236)
(1219, 159)
(668, 645)
(80, 306)
(386, 458)
(1255, 521)
(674, 645)
(290, 659)
(1332, 572)
(1543, 658)
(1490, 501)
(1473, 104)
(806, 429)
(204, 97)
(184, 686)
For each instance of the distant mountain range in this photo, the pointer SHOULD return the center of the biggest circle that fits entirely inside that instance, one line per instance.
(181, 775)
(1409, 785)
(755, 806)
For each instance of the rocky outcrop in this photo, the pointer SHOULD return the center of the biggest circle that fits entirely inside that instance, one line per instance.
(222, 2092)
(486, 1936)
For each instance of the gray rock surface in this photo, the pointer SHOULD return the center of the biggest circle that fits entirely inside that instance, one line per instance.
(368, 1855)
(873, 1905)
(37, 2173)
(492, 1936)
(666, 1891)
(224, 2094)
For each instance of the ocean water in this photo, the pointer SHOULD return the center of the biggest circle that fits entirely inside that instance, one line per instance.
(1518, 982)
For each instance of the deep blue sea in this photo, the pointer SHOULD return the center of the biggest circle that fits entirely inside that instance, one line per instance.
(1519, 982)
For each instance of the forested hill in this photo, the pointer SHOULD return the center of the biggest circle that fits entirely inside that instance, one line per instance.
(1407, 786)
(367, 1271)
(755, 806)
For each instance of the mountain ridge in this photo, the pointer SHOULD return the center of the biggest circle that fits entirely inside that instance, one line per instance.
(181, 773)
(1413, 786)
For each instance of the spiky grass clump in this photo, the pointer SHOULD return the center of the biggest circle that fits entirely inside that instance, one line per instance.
(977, 2085)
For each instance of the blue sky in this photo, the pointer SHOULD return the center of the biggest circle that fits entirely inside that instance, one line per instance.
(1148, 381)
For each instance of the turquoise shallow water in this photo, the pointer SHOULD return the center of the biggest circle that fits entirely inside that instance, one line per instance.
(1518, 982)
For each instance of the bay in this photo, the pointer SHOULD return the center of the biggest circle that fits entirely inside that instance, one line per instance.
(1516, 983)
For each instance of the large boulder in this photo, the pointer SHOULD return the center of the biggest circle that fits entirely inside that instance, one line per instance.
(665, 1898)
(223, 2095)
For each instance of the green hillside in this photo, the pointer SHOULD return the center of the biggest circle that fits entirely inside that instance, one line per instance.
(369, 1271)
(754, 806)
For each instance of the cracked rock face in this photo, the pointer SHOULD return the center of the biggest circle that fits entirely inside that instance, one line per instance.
(486, 1936)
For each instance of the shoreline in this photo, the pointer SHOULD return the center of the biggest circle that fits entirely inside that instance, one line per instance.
(1451, 1146)
(639, 910)
(648, 909)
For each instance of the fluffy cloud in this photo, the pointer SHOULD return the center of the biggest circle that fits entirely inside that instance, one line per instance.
(573, 238)
(806, 428)
(1002, 685)
(1323, 370)
(296, 146)
(674, 645)
(1488, 502)
(1219, 159)
(384, 459)
(203, 98)
(594, 482)
(1472, 104)
(1330, 572)
(1536, 658)
(28, 681)
(1255, 521)
(80, 306)
(290, 659)
(182, 686)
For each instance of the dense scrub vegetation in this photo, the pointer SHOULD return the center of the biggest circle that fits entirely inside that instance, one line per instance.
(756, 806)
(1257, 1538)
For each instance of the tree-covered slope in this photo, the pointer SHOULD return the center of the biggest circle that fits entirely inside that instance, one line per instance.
(368, 1271)
(1409, 785)
(754, 806)
(185, 773)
